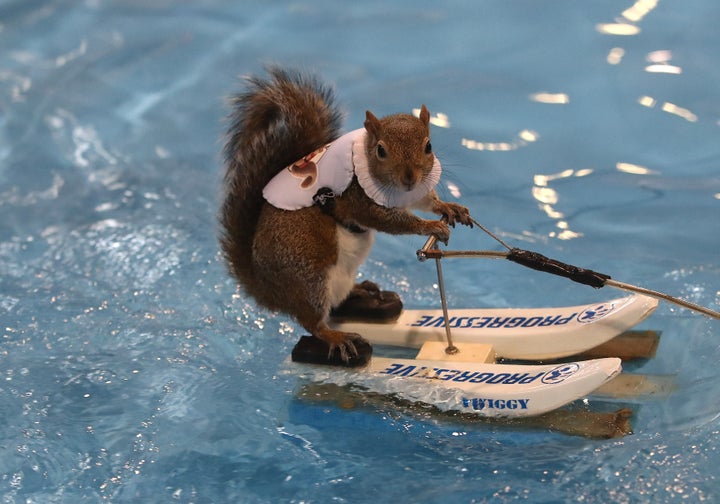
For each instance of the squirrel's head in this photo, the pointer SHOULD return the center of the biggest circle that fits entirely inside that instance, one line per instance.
(398, 149)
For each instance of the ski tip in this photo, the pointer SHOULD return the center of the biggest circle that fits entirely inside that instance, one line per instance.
(312, 350)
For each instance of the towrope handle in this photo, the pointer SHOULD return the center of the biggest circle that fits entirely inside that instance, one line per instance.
(541, 263)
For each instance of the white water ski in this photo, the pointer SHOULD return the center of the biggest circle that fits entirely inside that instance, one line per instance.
(486, 389)
(515, 333)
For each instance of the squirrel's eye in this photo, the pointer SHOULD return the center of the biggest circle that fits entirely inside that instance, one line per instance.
(381, 152)
(428, 148)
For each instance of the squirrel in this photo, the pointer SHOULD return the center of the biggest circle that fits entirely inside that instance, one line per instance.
(302, 258)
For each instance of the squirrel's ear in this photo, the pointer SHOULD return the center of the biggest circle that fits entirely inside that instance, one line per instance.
(425, 115)
(372, 124)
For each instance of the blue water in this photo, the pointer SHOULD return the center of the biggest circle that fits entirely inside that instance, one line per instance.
(132, 371)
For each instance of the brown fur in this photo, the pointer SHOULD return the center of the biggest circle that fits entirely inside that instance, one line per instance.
(273, 124)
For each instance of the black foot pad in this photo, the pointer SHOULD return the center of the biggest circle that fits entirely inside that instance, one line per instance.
(312, 350)
(379, 306)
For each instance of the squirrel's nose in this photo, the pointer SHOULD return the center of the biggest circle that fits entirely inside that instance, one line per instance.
(408, 179)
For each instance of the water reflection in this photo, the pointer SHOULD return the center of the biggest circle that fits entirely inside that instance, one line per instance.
(454, 189)
(615, 55)
(663, 68)
(19, 84)
(679, 111)
(617, 28)
(523, 138)
(553, 98)
(634, 169)
(660, 63)
(639, 10)
(626, 24)
(549, 197)
(72, 55)
(670, 108)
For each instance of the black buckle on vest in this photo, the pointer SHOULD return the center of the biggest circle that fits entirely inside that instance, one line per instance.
(325, 200)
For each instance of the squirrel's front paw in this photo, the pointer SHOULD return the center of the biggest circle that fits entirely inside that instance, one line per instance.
(454, 213)
(438, 229)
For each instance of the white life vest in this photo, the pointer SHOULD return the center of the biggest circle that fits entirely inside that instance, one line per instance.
(333, 167)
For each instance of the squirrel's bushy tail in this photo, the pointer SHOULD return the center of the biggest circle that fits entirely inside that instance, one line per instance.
(273, 123)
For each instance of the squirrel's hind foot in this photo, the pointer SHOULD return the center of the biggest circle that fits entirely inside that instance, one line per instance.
(352, 351)
(366, 302)
(366, 289)
(345, 346)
